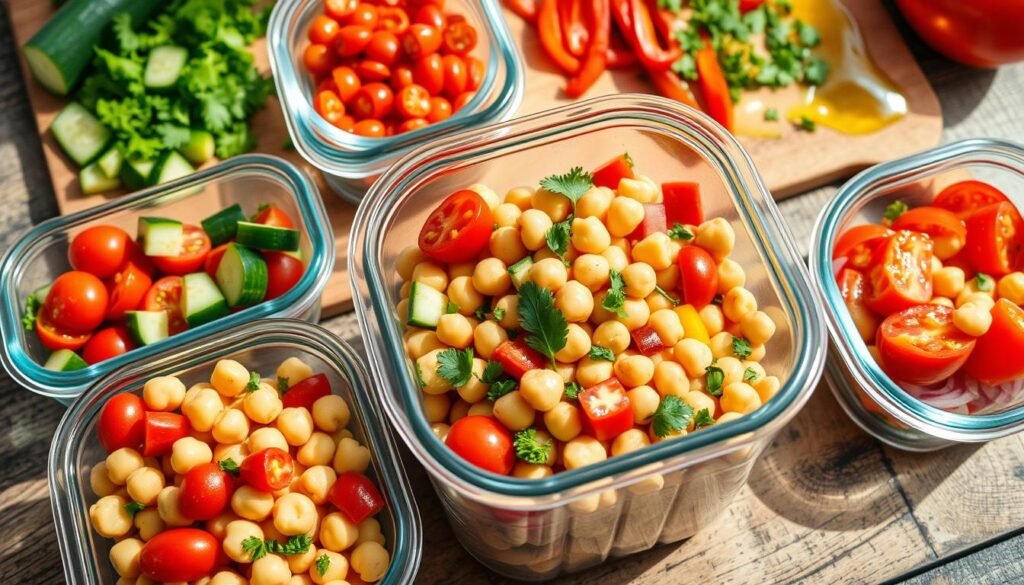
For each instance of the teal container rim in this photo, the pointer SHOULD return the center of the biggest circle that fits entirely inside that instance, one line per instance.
(65, 386)
(335, 151)
(759, 215)
(851, 348)
(63, 479)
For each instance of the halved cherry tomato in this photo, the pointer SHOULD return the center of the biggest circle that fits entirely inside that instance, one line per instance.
(945, 228)
(413, 102)
(384, 47)
(411, 125)
(355, 496)
(698, 276)
(121, 423)
(283, 271)
(966, 197)
(323, 30)
(205, 492)
(429, 72)
(329, 106)
(161, 430)
(373, 100)
(347, 82)
(920, 345)
(456, 78)
(460, 38)
(401, 76)
(340, 9)
(76, 303)
(858, 244)
(995, 238)
(475, 71)
(517, 358)
(421, 40)
(612, 172)
(213, 259)
(268, 470)
(607, 409)
(996, 359)
(190, 258)
(126, 290)
(483, 442)
(270, 214)
(306, 392)
(108, 343)
(165, 295)
(370, 128)
(392, 19)
(647, 340)
(100, 250)
(458, 229)
(683, 204)
(317, 59)
(179, 554)
(54, 338)
(901, 273)
(365, 14)
(372, 70)
(854, 288)
(352, 40)
(430, 14)
(440, 109)
(654, 222)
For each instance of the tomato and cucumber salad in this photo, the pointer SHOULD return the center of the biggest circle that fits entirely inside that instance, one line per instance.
(237, 479)
(124, 292)
(937, 290)
(581, 319)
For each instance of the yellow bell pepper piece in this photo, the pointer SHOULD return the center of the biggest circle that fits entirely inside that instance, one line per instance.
(693, 327)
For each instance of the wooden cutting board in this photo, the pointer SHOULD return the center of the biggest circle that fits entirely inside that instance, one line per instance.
(789, 165)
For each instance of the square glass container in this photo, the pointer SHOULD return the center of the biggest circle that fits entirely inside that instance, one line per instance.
(260, 346)
(536, 529)
(868, 395)
(352, 163)
(250, 180)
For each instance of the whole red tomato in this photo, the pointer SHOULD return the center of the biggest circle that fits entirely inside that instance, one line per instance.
(179, 554)
(121, 422)
(205, 492)
(482, 441)
(982, 33)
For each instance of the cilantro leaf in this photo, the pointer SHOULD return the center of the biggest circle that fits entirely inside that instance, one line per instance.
(134, 508)
(492, 372)
(282, 384)
(601, 353)
(451, 308)
(558, 237)
(750, 375)
(296, 545)
(229, 466)
(894, 210)
(703, 419)
(538, 316)
(455, 366)
(255, 546)
(500, 388)
(323, 562)
(482, 310)
(572, 185)
(32, 306)
(714, 381)
(807, 34)
(808, 125)
(529, 449)
(615, 299)
(984, 282)
(816, 71)
(498, 313)
(741, 348)
(670, 298)
(572, 391)
(679, 232)
(672, 415)
(254, 383)
(771, 115)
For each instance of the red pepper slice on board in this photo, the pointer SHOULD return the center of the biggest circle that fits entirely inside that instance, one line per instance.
(525, 9)
(645, 39)
(574, 30)
(595, 63)
(551, 40)
(669, 85)
(713, 86)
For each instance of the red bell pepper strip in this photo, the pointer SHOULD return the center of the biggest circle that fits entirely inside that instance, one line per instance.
(682, 203)
(517, 358)
(574, 31)
(665, 21)
(714, 89)
(161, 430)
(525, 9)
(306, 392)
(596, 60)
(620, 58)
(671, 86)
(748, 5)
(645, 39)
(610, 173)
(355, 495)
(654, 221)
(647, 340)
(551, 38)
(607, 409)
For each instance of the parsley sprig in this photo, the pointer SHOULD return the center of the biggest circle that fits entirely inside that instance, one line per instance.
(254, 382)
(741, 348)
(598, 353)
(538, 316)
(572, 185)
(323, 563)
(672, 416)
(679, 232)
(258, 549)
(530, 449)
(615, 298)
(455, 366)
(702, 419)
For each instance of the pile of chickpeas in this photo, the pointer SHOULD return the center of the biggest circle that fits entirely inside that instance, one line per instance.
(227, 422)
(694, 338)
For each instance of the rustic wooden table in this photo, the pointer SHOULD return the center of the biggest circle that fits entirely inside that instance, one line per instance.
(825, 504)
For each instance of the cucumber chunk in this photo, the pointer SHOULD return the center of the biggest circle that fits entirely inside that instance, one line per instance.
(93, 180)
(135, 174)
(222, 225)
(426, 305)
(267, 237)
(147, 327)
(65, 360)
(520, 271)
(164, 67)
(200, 147)
(171, 166)
(242, 275)
(161, 237)
(201, 300)
(110, 162)
(80, 134)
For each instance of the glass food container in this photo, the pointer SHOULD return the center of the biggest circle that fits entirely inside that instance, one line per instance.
(536, 529)
(352, 163)
(260, 346)
(250, 180)
(868, 395)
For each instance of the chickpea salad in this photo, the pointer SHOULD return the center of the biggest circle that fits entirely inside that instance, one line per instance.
(587, 318)
(239, 481)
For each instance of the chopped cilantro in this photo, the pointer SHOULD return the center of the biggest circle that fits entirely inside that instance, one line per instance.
(679, 232)
(229, 466)
(32, 305)
(500, 388)
(894, 210)
(741, 348)
(601, 353)
(573, 185)
(771, 115)
(558, 237)
(254, 382)
(498, 313)
(672, 415)
(455, 366)
(714, 381)
(539, 317)
(572, 391)
(451, 308)
(808, 125)
(134, 508)
(492, 372)
(703, 419)
(323, 562)
(615, 298)
(750, 375)
(529, 449)
(984, 282)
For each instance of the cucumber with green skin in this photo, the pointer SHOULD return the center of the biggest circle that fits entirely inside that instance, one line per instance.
(147, 327)
(80, 134)
(160, 237)
(242, 276)
(111, 161)
(135, 173)
(65, 360)
(170, 166)
(201, 300)
(267, 237)
(426, 305)
(200, 147)
(164, 67)
(93, 180)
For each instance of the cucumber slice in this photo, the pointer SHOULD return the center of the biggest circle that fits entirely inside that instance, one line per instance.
(170, 166)
(135, 174)
(242, 275)
(267, 237)
(200, 147)
(93, 180)
(65, 360)
(201, 300)
(80, 134)
(520, 271)
(222, 225)
(147, 327)
(161, 237)
(110, 162)
(164, 67)
(426, 305)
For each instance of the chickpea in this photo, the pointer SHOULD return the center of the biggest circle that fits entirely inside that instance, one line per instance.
(99, 481)
(109, 517)
(521, 197)
(730, 275)
(737, 303)
(270, 570)
(163, 393)
(435, 407)
(506, 244)
(316, 481)
(464, 294)
(699, 401)
(549, 273)
(148, 523)
(337, 533)
(514, 411)
(577, 345)
(229, 378)
(506, 215)
(296, 425)
(203, 408)
(717, 237)
(252, 504)
(331, 413)
(473, 390)
(757, 327)
(666, 323)
(481, 408)
(144, 485)
(231, 426)
(541, 389)
(351, 456)
(624, 215)
(637, 314)
(524, 470)
(712, 318)
(455, 330)
(369, 531)
(225, 578)
(267, 438)
(732, 369)
(740, 397)
(971, 293)
(319, 450)
(694, 356)
(575, 301)
(637, 189)
(124, 556)
(294, 514)
(533, 228)
(235, 533)
(420, 342)
(188, 452)
(405, 289)
(947, 246)
(370, 560)
(639, 279)
(582, 451)
(595, 203)
(612, 335)
(263, 405)
(654, 250)
(949, 281)
(122, 463)
(629, 441)
(556, 206)
(431, 275)
(972, 319)
(645, 401)
(407, 260)
(670, 378)
(1011, 288)
(589, 235)
(634, 370)
(767, 387)
(491, 277)
(721, 344)
(168, 504)
(486, 338)
(564, 421)
(440, 430)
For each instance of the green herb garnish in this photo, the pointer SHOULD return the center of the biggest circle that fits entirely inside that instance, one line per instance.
(615, 298)
(451, 308)
(134, 508)
(703, 419)
(894, 210)
(670, 298)
(558, 237)
(598, 353)
(672, 416)
(750, 375)
(254, 382)
(771, 115)
(323, 562)
(741, 348)
(715, 379)
(500, 388)
(455, 366)
(539, 317)
(530, 449)
(572, 391)
(984, 282)
(679, 232)
(229, 466)
(572, 185)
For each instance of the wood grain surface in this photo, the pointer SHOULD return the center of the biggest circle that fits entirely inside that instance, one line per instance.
(825, 504)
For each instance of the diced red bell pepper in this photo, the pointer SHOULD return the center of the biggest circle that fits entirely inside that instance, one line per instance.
(647, 340)
(610, 173)
(607, 409)
(355, 495)
(517, 358)
(682, 203)
(162, 429)
(306, 392)
(654, 221)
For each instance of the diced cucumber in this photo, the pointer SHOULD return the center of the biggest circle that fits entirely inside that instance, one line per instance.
(164, 67)
(519, 271)
(93, 180)
(201, 300)
(426, 305)
(147, 327)
(135, 173)
(65, 360)
(200, 147)
(221, 226)
(169, 167)
(267, 237)
(80, 134)
(161, 237)
(242, 276)
(110, 162)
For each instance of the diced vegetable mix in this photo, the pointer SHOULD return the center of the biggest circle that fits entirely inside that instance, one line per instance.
(122, 293)
(240, 480)
(936, 293)
(581, 320)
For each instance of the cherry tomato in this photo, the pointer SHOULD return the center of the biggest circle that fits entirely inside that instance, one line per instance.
(121, 423)
(421, 40)
(458, 229)
(317, 59)
(982, 33)
(459, 38)
(461, 101)
(53, 338)
(268, 470)
(213, 259)
(475, 71)
(107, 344)
(347, 82)
(340, 9)
(430, 14)
(901, 273)
(995, 238)
(365, 14)
(369, 128)
(100, 250)
(455, 76)
(384, 47)
(413, 102)
(305, 393)
(966, 197)
(607, 409)
(858, 244)
(372, 71)
(355, 496)
(205, 492)
(190, 258)
(945, 228)
(920, 345)
(161, 430)
(683, 203)
(991, 362)
(401, 76)
(854, 288)
(429, 72)
(352, 40)
(347, 123)
(483, 442)
(440, 109)
(517, 358)
(329, 106)
(165, 295)
(76, 303)
(392, 19)
(270, 214)
(283, 271)
(179, 554)
(373, 100)
(323, 30)
(126, 290)
(698, 276)
(410, 125)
